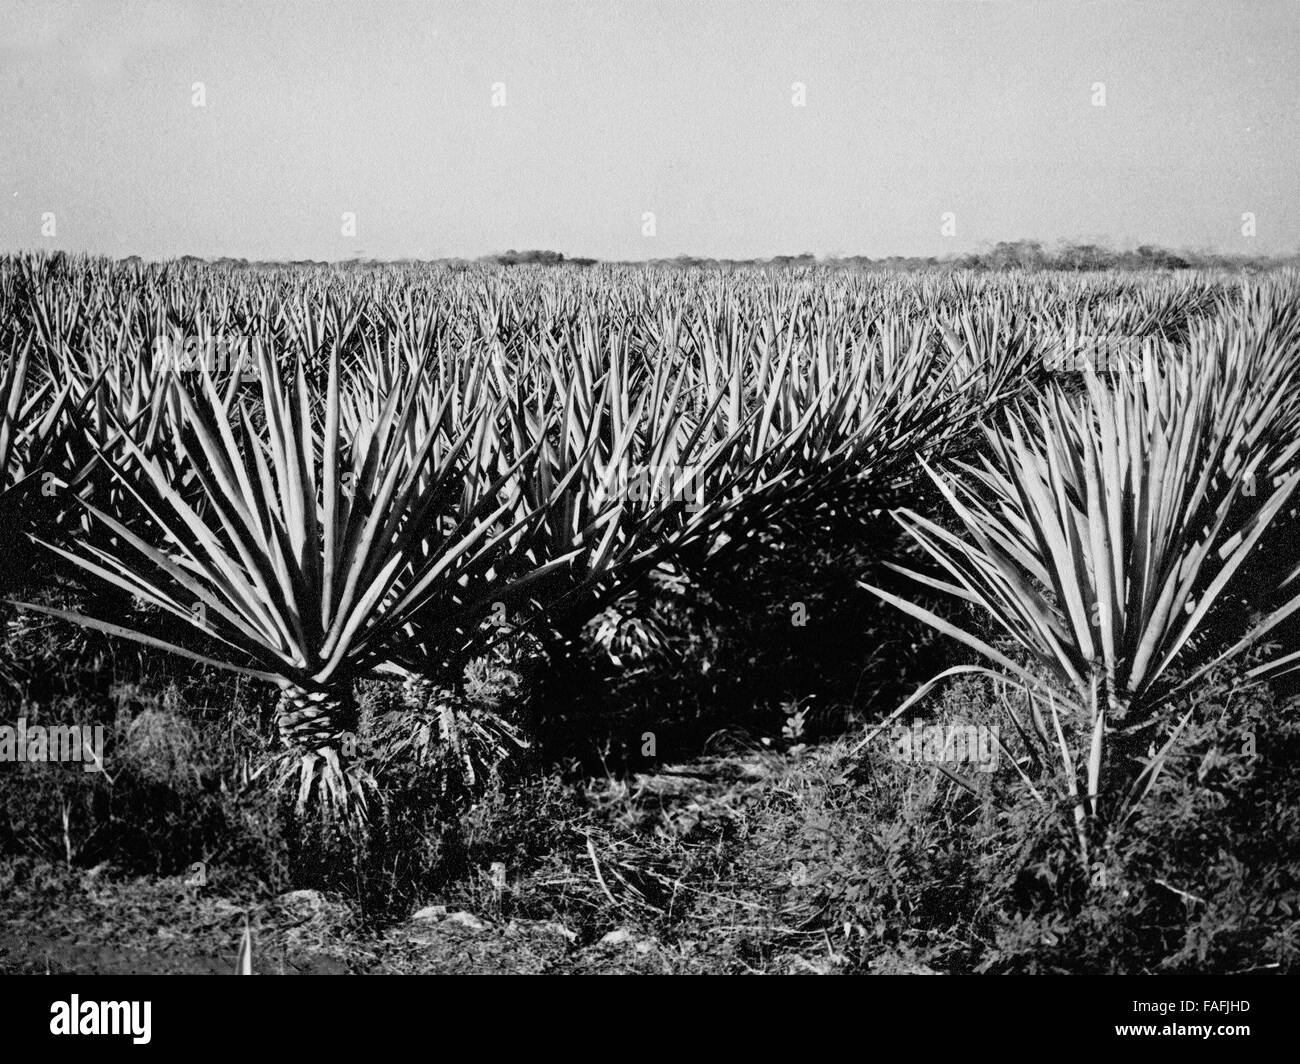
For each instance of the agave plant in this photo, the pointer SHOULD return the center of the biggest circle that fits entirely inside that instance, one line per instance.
(30, 424)
(1097, 541)
(308, 554)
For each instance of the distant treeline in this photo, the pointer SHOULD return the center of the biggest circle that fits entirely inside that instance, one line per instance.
(1020, 255)
(1005, 255)
(505, 258)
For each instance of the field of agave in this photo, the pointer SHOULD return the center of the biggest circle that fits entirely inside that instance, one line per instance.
(320, 475)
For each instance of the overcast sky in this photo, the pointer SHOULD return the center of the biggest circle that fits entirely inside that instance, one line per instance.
(688, 111)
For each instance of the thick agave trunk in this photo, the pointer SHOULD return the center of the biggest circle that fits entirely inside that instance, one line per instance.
(313, 725)
(314, 720)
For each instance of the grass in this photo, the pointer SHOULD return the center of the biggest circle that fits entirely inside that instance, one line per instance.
(775, 856)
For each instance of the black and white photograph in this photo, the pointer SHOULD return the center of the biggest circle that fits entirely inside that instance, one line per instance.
(732, 487)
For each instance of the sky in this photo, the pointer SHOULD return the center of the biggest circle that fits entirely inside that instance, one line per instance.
(288, 129)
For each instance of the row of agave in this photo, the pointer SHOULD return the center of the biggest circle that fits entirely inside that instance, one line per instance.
(393, 457)
(373, 477)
